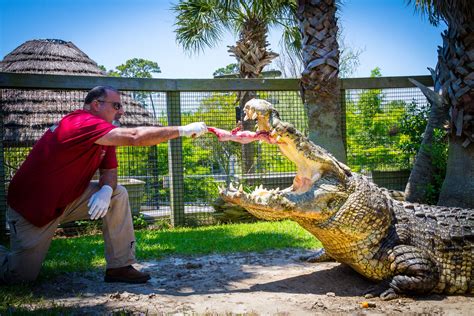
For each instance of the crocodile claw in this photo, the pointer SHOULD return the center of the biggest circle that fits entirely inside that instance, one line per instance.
(382, 290)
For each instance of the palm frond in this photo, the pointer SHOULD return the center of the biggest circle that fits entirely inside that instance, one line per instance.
(199, 24)
(451, 11)
(291, 41)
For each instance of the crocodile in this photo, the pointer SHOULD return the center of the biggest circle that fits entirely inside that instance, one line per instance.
(406, 248)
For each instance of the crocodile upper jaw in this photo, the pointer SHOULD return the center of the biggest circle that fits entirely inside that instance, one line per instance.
(297, 148)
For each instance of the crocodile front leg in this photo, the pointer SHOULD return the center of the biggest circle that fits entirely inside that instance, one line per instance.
(414, 272)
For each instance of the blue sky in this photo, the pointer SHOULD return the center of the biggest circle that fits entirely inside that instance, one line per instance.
(389, 33)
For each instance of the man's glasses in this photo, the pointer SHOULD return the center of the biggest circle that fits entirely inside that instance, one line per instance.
(116, 105)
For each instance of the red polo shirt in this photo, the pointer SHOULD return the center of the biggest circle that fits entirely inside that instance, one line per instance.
(60, 166)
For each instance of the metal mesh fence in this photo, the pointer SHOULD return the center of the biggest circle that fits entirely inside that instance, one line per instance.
(207, 163)
(178, 181)
(378, 144)
(183, 173)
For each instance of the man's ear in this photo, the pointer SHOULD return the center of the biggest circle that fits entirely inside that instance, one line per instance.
(95, 105)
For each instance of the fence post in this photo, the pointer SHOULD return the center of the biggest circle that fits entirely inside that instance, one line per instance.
(175, 160)
(343, 121)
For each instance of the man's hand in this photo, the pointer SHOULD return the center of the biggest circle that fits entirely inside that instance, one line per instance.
(99, 202)
(193, 129)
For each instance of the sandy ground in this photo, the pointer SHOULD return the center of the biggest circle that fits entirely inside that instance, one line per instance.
(270, 283)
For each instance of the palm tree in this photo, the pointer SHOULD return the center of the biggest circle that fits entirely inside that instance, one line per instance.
(201, 23)
(319, 79)
(454, 78)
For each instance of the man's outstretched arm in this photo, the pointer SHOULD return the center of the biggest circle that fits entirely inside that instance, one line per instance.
(147, 136)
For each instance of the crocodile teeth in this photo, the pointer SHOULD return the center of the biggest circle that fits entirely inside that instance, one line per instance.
(246, 117)
(272, 132)
(241, 188)
(221, 189)
(260, 188)
(278, 138)
(231, 186)
(254, 116)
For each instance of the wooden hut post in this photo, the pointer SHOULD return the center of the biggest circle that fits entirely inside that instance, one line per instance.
(175, 161)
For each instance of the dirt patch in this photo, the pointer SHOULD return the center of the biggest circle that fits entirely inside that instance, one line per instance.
(274, 282)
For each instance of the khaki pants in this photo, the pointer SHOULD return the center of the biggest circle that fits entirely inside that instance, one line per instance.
(29, 244)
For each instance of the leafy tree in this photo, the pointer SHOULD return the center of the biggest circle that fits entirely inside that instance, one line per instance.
(373, 132)
(227, 70)
(138, 68)
(102, 67)
(134, 68)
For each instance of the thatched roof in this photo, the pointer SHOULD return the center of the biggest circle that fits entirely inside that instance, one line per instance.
(28, 113)
(50, 57)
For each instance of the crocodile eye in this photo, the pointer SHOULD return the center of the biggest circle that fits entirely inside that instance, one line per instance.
(333, 203)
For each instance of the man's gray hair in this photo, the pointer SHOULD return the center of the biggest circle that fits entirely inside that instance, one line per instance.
(98, 93)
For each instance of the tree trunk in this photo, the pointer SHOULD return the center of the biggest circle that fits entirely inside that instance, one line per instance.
(252, 55)
(422, 174)
(456, 64)
(324, 123)
(319, 82)
(248, 150)
(458, 186)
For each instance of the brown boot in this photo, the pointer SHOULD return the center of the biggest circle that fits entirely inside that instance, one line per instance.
(126, 274)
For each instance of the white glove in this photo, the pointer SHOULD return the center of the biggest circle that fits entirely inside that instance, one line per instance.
(193, 129)
(99, 202)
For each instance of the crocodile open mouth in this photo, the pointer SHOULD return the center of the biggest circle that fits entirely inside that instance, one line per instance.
(312, 161)
(318, 174)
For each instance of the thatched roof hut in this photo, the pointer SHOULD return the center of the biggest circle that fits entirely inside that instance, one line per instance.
(28, 113)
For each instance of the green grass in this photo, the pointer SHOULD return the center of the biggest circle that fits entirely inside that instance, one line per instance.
(87, 252)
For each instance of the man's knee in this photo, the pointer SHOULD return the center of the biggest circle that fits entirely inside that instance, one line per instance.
(120, 201)
(120, 192)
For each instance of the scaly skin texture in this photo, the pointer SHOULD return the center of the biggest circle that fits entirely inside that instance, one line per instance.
(410, 248)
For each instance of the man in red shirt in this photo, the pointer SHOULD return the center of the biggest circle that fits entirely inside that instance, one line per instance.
(53, 186)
